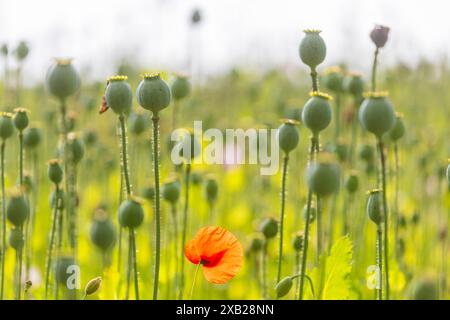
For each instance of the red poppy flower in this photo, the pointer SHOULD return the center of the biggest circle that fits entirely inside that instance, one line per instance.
(218, 251)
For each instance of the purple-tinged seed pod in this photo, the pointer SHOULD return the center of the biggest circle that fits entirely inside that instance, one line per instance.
(379, 35)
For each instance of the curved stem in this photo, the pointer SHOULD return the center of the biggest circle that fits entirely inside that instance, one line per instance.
(155, 120)
(193, 282)
(283, 199)
(385, 214)
(185, 218)
(2, 163)
(379, 262)
(49, 257)
(374, 70)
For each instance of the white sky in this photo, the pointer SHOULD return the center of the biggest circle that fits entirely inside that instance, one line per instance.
(252, 33)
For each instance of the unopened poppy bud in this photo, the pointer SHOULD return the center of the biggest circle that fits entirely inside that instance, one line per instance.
(317, 113)
(75, 148)
(138, 123)
(16, 240)
(269, 228)
(342, 151)
(196, 16)
(196, 178)
(171, 191)
(103, 233)
(131, 214)
(92, 286)
(367, 153)
(333, 79)
(398, 130)
(32, 137)
(211, 190)
(354, 84)
(288, 136)
(21, 118)
(352, 183)
(180, 87)
(374, 206)
(22, 51)
(62, 79)
(323, 175)
(256, 244)
(17, 209)
(379, 35)
(297, 242)
(55, 172)
(312, 48)
(118, 95)
(153, 93)
(6, 125)
(376, 114)
(284, 286)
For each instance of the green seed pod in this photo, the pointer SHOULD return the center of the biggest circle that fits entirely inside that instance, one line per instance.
(423, 289)
(21, 118)
(354, 84)
(62, 79)
(103, 233)
(196, 178)
(284, 286)
(138, 123)
(312, 48)
(333, 79)
(63, 272)
(181, 87)
(367, 153)
(55, 172)
(342, 151)
(379, 35)
(256, 244)
(52, 200)
(131, 214)
(6, 125)
(211, 190)
(171, 191)
(16, 240)
(4, 50)
(92, 286)
(398, 130)
(153, 93)
(90, 138)
(118, 95)
(374, 206)
(288, 136)
(317, 113)
(196, 17)
(32, 137)
(312, 212)
(75, 147)
(269, 228)
(376, 114)
(22, 51)
(323, 176)
(17, 210)
(149, 193)
(352, 183)
(297, 242)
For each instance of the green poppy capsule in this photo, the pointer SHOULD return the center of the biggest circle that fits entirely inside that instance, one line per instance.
(312, 48)
(22, 51)
(352, 183)
(131, 214)
(148, 193)
(297, 242)
(181, 87)
(333, 79)
(379, 35)
(323, 176)
(367, 153)
(55, 172)
(153, 93)
(21, 118)
(63, 269)
(90, 138)
(269, 228)
(354, 84)
(288, 136)
(256, 244)
(398, 130)
(62, 79)
(103, 233)
(118, 95)
(211, 190)
(196, 178)
(171, 191)
(376, 114)
(423, 289)
(6, 125)
(284, 286)
(342, 151)
(374, 206)
(317, 112)
(32, 137)
(138, 123)
(294, 114)
(17, 209)
(75, 147)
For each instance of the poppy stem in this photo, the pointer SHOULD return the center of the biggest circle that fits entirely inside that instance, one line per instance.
(193, 282)
(155, 120)
(185, 217)
(374, 70)
(52, 239)
(3, 249)
(283, 200)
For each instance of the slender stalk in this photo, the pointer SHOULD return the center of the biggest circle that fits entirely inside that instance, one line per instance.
(379, 263)
(19, 269)
(397, 188)
(374, 70)
(297, 271)
(306, 232)
(337, 128)
(49, 257)
(30, 223)
(282, 200)
(385, 214)
(193, 282)
(2, 162)
(315, 80)
(185, 224)
(264, 269)
(173, 210)
(130, 264)
(319, 217)
(354, 136)
(21, 158)
(124, 155)
(155, 120)
(136, 282)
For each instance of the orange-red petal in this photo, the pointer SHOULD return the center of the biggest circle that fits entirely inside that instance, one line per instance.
(218, 250)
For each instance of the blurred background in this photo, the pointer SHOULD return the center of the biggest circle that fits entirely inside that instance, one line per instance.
(255, 34)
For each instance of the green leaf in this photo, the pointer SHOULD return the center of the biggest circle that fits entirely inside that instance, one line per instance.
(332, 278)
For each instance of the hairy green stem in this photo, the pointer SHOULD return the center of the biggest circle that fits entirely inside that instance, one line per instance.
(124, 154)
(379, 264)
(155, 120)
(130, 263)
(49, 256)
(315, 80)
(397, 188)
(185, 224)
(264, 268)
(282, 208)
(134, 258)
(3, 250)
(19, 269)
(173, 210)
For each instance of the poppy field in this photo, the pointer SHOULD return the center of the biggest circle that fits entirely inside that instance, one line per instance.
(108, 192)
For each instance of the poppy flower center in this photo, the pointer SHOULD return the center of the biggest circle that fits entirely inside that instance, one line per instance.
(212, 260)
